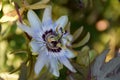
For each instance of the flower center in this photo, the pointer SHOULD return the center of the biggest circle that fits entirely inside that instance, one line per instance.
(52, 42)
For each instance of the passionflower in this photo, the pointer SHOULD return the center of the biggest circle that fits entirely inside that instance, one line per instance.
(49, 40)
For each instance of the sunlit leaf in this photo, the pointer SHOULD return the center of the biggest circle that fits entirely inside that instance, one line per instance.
(7, 8)
(9, 13)
(42, 2)
(85, 48)
(83, 41)
(7, 76)
(15, 70)
(38, 5)
(77, 33)
(11, 16)
(6, 32)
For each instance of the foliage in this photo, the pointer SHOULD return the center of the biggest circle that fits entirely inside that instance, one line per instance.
(102, 70)
(93, 24)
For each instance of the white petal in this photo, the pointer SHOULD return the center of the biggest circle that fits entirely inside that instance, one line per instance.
(37, 35)
(47, 15)
(67, 38)
(61, 22)
(24, 28)
(54, 66)
(34, 21)
(64, 41)
(69, 54)
(47, 19)
(66, 62)
(41, 61)
(36, 46)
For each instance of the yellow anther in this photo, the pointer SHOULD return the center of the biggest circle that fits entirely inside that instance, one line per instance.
(50, 40)
(59, 45)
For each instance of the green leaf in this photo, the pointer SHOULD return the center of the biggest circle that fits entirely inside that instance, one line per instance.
(92, 55)
(77, 33)
(68, 27)
(81, 70)
(82, 42)
(83, 56)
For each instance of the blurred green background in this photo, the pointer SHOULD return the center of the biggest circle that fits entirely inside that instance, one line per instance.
(99, 17)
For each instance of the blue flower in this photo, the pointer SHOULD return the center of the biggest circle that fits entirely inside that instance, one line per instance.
(49, 41)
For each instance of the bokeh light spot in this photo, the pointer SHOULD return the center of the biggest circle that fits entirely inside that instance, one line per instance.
(102, 25)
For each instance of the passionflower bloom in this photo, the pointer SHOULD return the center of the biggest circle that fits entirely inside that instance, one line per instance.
(49, 41)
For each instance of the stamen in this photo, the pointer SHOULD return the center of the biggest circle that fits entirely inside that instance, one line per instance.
(65, 32)
(61, 34)
(61, 29)
(53, 41)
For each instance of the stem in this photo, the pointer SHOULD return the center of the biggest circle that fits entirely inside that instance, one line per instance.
(17, 10)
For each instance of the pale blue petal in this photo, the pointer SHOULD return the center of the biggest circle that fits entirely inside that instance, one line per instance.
(47, 19)
(66, 40)
(66, 62)
(41, 61)
(37, 35)
(48, 26)
(61, 22)
(34, 21)
(36, 46)
(47, 15)
(69, 54)
(25, 28)
(54, 66)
